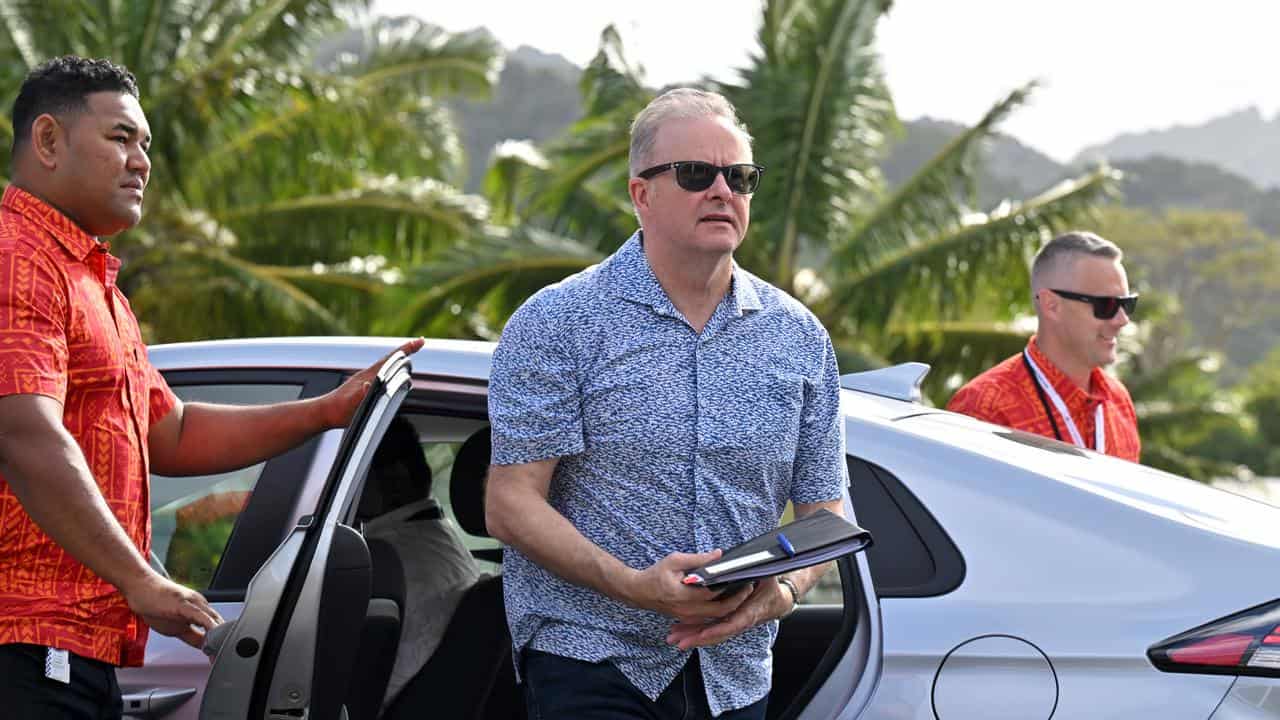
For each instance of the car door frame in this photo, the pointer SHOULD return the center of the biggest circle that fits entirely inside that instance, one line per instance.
(265, 661)
(267, 517)
(846, 678)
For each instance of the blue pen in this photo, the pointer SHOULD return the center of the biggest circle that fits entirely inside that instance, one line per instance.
(785, 544)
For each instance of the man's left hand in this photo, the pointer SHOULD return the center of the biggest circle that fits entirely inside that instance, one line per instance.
(340, 404)
(768, 601)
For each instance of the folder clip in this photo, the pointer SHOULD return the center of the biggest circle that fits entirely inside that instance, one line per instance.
(785, 544)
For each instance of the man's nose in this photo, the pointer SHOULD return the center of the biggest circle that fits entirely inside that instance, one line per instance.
(720, 187)
(140, 162)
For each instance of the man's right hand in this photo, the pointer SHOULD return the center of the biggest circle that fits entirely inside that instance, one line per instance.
(171, 609)
(661, 588)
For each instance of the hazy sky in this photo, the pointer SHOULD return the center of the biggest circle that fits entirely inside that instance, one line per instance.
(1108, 66)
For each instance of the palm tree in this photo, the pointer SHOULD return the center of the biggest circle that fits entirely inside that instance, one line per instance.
(910, 271)
(292, 173)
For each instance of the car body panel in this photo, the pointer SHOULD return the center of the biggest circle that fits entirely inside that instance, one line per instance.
(1251, 698)
(1088, 558)
(1095, 559)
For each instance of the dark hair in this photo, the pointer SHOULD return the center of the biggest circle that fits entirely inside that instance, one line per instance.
(59, 86)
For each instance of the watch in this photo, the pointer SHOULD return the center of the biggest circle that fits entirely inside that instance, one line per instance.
(789, 584)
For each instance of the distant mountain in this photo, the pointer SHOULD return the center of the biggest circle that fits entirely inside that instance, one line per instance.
(1015, 171)
(536, 99)
(1159, 182)
(1243, 142)
(1011, 170)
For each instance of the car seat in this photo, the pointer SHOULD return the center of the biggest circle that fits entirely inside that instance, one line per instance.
(470, 675)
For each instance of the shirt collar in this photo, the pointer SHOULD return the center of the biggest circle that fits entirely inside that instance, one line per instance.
(630, 277)
(76, 241)
(1070, 392)
(79, 244)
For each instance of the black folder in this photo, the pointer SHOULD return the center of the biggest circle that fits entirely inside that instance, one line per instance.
(813, 539)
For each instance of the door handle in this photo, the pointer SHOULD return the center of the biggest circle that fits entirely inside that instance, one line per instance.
(156, 702)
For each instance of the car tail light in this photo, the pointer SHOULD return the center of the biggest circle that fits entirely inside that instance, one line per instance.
(1246, 643)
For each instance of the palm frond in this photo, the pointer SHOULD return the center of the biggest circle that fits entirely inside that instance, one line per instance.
(956, 350)
(817, 94)
(934, 197)
(413, 54)
(610, 83)
(500, 270)
(984, 256)
(405, 197)
(18, 21)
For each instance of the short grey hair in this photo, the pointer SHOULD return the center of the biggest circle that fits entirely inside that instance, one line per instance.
(677, 104)
(1068, 246)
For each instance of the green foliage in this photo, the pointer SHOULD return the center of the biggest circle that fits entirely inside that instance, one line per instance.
(1219, 274)
(195, 551)
(288, 187)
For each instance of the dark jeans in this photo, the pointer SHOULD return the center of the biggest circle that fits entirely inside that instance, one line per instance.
(559, 687)
(26, 694)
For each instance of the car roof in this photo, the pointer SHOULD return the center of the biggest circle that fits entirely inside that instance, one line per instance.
(467, 359)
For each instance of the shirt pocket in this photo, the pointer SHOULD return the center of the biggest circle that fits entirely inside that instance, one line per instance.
(757, 413)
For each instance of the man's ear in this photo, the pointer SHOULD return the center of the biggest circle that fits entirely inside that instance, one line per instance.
(48, 141)
(1048, 302)
(639, 191)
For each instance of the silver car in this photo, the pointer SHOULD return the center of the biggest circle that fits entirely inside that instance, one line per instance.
(1011, 576)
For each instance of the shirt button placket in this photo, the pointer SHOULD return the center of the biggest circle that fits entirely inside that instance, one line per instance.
(700, 537)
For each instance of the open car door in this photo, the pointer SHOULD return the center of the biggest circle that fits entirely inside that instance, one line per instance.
(812, 684)
(289, 655)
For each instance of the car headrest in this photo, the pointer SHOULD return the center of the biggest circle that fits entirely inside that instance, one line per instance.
(399, 473)
(466, 483)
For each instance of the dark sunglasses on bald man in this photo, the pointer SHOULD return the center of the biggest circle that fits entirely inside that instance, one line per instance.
(696, 176)
(1105, 307)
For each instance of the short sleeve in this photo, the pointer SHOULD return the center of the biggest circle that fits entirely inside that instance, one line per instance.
(33, 326)
(160, 396)
(819, 473)
(535, 405)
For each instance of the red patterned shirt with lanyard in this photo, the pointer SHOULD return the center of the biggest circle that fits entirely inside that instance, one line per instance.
(1028, 392)
(66, 331)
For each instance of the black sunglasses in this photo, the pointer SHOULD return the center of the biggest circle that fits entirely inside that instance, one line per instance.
(696, 176)
(1104, 307)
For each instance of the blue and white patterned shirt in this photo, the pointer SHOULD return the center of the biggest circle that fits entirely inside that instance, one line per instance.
(669, 441)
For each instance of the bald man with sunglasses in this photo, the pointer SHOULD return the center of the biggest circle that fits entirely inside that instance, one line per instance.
(647, 414)
(1056, 387)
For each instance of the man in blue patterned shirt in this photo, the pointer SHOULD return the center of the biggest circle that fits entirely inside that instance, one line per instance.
(648, 413)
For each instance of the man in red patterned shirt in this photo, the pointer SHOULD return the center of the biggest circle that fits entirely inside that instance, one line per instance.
(1056, 386)
(85, 417)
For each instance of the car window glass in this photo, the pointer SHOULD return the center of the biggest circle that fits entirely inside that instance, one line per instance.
(192, 517)
(441, 438)
(911, 554)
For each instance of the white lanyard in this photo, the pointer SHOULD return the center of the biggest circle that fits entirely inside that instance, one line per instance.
(1099, 432)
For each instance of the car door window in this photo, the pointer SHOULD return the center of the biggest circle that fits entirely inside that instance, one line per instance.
(192, 517)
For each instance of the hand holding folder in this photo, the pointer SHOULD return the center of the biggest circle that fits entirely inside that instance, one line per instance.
(813, 539)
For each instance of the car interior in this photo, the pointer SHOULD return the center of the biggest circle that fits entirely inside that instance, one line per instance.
(470, 674)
